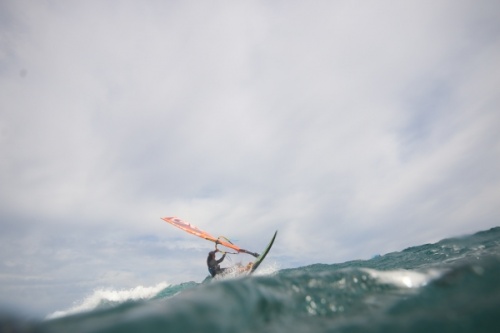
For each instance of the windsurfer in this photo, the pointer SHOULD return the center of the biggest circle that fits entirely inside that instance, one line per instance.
(213, 264)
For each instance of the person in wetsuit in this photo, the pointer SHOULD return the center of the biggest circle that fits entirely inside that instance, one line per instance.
(213, 264)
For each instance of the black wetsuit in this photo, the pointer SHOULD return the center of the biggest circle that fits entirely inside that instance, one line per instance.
(213, 265)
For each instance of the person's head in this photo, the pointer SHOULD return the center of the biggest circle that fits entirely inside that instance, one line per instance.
(211, 254)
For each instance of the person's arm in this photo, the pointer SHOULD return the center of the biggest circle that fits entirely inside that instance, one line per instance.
(221, 259)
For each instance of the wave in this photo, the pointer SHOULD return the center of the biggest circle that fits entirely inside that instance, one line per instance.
(449, 286)
(105, 298)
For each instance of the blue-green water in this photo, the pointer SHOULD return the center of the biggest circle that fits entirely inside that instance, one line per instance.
(450, 286)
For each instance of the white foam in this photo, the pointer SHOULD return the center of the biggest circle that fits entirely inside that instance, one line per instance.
(404, 278)
(91, 302)
(267, 269)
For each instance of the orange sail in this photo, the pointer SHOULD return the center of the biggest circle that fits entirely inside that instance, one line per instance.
(188, 227)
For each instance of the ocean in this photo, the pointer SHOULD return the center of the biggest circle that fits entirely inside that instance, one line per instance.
(449, 286)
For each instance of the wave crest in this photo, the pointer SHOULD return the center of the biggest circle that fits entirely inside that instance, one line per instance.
(106, 297)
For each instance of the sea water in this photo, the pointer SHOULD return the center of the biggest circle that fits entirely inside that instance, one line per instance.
(450, 286)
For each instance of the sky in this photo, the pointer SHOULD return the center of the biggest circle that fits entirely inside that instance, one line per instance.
(353, 128)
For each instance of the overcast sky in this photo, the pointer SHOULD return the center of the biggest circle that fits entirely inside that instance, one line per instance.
(353, 128)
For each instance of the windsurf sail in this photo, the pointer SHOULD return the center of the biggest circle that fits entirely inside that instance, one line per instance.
(194, 230)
